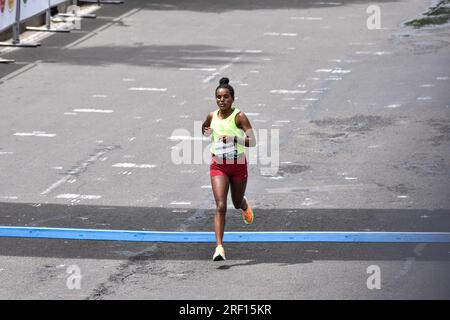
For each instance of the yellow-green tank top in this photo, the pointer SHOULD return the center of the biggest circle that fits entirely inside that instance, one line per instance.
(225, 127)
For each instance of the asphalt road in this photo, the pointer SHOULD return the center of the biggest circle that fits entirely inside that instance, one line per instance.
(92, 122)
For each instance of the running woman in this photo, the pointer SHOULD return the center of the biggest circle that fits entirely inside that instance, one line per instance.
(230, 132)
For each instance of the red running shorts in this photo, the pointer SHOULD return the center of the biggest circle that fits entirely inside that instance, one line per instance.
(235, 169)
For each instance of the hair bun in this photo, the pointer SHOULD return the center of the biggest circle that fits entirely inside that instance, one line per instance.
(224, 81)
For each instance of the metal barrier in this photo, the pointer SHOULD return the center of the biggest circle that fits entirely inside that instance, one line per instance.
(15, 12)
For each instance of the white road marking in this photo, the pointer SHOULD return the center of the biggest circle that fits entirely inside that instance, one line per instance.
(183, 203)
(215, 74)
(78, 196)
(197, 69)
(393, 106)
(381, 53)
(5, 152)
(283, 91)
(333, 78)
(93, 111)
(133, 165)
(278, 34)
(307, 18)
(330, 3)
(324, 70)
(321, 188)
(76, 171)
(442, 78)
(335, 70)
(339, 70)
(309, 202)
(148, 89)
(274, 178)
(9, 197)
(35, 134)
(424, 98)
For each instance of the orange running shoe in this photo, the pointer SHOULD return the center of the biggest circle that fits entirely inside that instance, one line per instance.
(247, 214)
(219, 255)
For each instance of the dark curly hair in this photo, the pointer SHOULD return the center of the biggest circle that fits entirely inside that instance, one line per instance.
(224, 83)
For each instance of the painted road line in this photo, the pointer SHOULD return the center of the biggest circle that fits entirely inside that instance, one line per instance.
(148, 89)
(278, 34)
(307, 18)
(283, 91)
(35, 134)
(78, 196)
(133, 165)
(222, 69)
(197, 69)
(93, 110)
(75, 171)
(160, 236)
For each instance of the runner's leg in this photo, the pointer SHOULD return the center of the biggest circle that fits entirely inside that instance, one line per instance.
(238, 187)
(220, 185)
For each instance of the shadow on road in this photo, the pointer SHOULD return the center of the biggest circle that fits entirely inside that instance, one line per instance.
(156, 56)
(222, 6)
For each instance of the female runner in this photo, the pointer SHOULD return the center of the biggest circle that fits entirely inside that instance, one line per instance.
(230, 132)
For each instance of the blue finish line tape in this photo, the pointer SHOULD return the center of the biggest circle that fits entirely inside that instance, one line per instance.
(261, 236)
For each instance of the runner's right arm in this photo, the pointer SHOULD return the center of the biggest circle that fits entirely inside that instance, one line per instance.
(206, 130)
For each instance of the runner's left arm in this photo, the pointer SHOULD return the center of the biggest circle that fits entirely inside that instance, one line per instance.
(243, 123)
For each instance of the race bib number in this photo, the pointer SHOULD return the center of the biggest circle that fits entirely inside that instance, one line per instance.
(226, 150)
